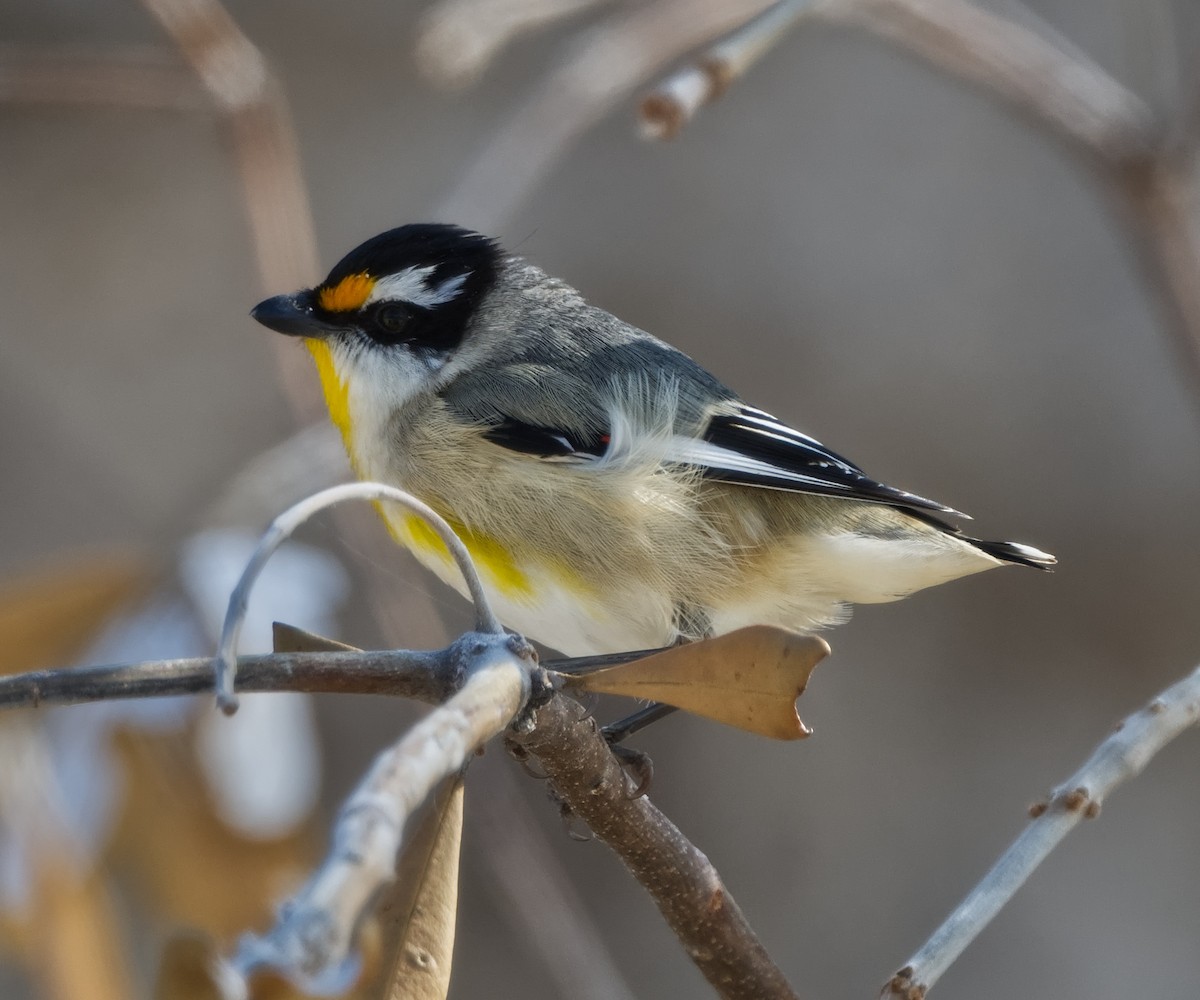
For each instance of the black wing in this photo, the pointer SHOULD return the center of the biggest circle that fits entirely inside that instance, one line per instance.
(545, 442)
(752, 448)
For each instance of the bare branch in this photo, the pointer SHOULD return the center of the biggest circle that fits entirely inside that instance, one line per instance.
(460, 38)
(282, 528)
(1076, 101)
(1074, 98)
(1120, 757)
(594, 73)
(674, 102)
(537, 894)
(240, 82)
(1159, 197)
(131, 77)
(425, 676)
(683, 883)
(313, 940)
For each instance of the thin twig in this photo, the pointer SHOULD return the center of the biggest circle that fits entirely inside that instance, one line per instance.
(282, 528)
(402, 672)
(312, 942)
(674, 102)
(240, 82)
(683, 883)
(1120, 757)
(1149, 170)
(458, 39)
(1073, 97)
(595, 72)
(536, 892)
(1076, 101)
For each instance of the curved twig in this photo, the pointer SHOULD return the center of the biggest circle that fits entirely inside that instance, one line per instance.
(225, 667)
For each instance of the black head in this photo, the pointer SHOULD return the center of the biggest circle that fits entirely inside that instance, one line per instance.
(417, 285)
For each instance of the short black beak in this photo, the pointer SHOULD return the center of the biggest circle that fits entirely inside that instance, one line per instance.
(294, 315)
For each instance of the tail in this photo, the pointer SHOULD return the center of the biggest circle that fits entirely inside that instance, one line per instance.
(1009, 552)
(1015, 552)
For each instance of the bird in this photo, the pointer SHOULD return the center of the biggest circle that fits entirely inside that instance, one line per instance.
(613, 493)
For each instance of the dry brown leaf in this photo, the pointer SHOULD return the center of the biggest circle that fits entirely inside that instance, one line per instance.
(190, 867)
(49, 615)
(418, 911)
(750, 679)
(290, 639)
(187, 970)
(76, 949)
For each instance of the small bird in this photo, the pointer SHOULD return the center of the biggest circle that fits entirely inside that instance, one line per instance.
(613, 493)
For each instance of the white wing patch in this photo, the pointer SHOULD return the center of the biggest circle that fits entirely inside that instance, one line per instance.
(693, 451)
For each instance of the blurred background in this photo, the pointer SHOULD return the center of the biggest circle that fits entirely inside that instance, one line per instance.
(857, 243)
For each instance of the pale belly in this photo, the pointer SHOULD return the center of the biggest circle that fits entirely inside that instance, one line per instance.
(548, 606)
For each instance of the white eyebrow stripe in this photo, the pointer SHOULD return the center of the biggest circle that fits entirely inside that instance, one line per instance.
(409, 286)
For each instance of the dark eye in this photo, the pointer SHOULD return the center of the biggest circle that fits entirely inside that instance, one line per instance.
(392, 319)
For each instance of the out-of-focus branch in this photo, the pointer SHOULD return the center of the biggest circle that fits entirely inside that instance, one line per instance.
(1071, 96)
(595, 72)
(313, 940)
(460, 38)
(1120, 757)
(1078, 102)
(239, 80)
(681, 880)
(1152, 174)
(132, 76)
(536, 892)
(674, 102)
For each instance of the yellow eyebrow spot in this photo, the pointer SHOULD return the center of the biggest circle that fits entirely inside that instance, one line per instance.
(348, 294)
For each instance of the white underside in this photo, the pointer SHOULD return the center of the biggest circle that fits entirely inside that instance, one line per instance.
(815, 582)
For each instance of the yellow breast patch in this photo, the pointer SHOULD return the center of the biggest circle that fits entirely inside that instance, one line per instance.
(337, 392)
(494, 560)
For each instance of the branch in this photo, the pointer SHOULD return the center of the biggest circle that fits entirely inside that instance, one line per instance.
(239, 80)
(674, 102)
(594, 73)
(282, 528)
(1070, 96)
(1077, 101)
(424, 676)
(683, 883)
(428, 676)
(1066, 94)
(313, 940)
(458, 39)
(1120, 757)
